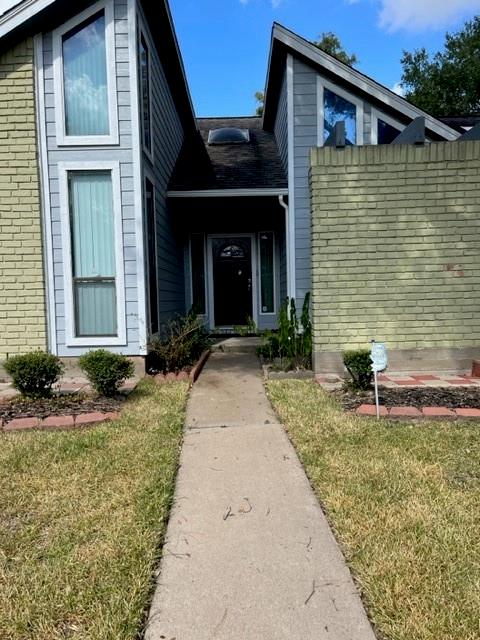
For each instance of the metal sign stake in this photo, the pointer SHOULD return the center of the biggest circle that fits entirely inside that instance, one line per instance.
(379, 359)
(377, 404)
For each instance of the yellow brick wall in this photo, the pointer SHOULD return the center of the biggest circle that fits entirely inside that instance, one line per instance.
(396, 249)
(22, 304)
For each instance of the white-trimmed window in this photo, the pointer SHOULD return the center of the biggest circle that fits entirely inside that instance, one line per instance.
(85, 78)
(335, 105)
(384, 128)
(92, 253)
(145, 76)
(266, 252)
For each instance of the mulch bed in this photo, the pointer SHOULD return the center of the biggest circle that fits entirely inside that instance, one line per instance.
(418, 397)
(63, 405)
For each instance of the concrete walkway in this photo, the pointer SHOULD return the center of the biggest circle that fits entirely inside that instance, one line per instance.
(249, 554)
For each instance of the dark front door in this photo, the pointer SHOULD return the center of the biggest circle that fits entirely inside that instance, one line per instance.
(232, 280)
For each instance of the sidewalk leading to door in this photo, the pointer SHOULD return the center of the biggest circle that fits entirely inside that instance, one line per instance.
(249, 554)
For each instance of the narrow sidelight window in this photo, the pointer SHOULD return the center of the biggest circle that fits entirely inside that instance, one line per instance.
(267, 272)
(144, 58)
(198, 273)
(85, 79)
(93, 253)
(336, 108)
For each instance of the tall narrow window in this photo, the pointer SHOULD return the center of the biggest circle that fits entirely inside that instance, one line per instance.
(145, 94)
(267, 272)
(198, 273)
(85, 79)
(336, 108)
(152, 255)
(93, 253)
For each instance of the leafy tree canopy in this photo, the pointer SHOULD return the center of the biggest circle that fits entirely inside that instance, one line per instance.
(260, 100)
(331, 44)
(447, 83)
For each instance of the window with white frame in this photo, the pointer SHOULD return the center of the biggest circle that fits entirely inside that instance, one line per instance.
(336, 105)
(384, 128)
(267, 272)
(85, 85)
(93, 254)
(145, 93)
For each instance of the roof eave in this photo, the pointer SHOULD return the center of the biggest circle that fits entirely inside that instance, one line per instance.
(282, 37)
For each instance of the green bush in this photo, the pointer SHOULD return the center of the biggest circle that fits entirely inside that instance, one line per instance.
(178, 345)
(292, 343)
(34, 374)
(359, 366)
(106, 371)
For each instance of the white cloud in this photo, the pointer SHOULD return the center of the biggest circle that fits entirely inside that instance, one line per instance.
(398, 89)
(419, 15)
(274, 3)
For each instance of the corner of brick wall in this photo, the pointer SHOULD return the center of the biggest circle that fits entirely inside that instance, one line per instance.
(22, 304)
(395, 246)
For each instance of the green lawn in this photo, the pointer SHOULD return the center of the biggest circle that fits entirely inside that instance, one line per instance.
(82, 516)
(404, 502)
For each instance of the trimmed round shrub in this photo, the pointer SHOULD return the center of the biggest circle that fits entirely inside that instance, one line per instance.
(359, 366)
(34, 374)
(106, 371)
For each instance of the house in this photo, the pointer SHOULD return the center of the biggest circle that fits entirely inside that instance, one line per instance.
(120, 209)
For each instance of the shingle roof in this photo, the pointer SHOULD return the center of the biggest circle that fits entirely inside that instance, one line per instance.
(255, 164)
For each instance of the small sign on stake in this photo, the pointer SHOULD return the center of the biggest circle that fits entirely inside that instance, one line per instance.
(379, 358)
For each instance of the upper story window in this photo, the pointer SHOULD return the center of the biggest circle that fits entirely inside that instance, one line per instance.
(384, 128)
(144, 62)
(85, 79)
(336, 108)
(85, 84)
(385, 132)
(336, 105)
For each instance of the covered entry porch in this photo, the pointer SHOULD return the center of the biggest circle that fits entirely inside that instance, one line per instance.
(235, 259)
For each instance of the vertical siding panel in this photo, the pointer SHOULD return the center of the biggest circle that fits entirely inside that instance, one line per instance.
(168, 136)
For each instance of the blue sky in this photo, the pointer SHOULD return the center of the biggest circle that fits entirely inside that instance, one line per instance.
(225, 43)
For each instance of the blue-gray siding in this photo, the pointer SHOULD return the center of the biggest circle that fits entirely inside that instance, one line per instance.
(281, 124)
(306, 137)
(168, 137)
(124, 155)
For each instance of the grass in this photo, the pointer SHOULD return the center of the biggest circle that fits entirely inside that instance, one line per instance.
(403, 500)
(82, 516)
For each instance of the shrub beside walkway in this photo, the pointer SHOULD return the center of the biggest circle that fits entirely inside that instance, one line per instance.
(248, 553)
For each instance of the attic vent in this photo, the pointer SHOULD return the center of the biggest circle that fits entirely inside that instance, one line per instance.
(228, 135)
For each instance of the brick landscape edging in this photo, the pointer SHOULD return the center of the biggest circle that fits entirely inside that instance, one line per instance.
(161, 378)
(58, 422)
(413, 412)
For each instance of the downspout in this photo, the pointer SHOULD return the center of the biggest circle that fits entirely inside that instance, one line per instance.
(284, 205)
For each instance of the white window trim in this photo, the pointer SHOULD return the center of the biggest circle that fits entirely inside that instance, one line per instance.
(113, 137)
(259, 253)
(144, 34)
(71, 340)
(211, 289)
(379, 115)
(322, 84)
